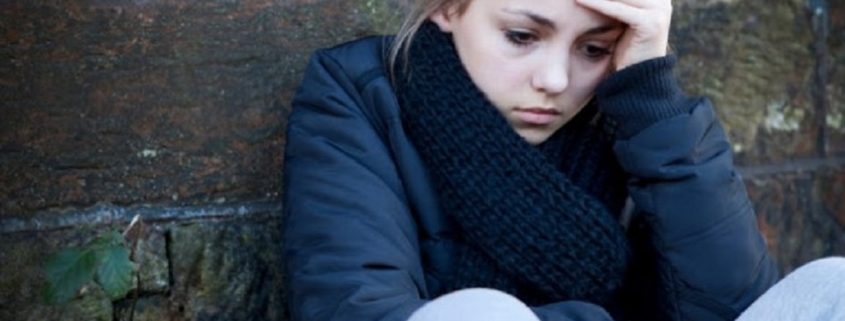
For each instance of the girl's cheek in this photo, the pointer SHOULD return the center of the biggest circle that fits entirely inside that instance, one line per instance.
(591, 74)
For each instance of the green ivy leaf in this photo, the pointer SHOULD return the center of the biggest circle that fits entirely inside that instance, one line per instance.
(115, 271)
(67, 271)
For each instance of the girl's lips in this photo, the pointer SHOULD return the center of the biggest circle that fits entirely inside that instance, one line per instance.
(536, 115)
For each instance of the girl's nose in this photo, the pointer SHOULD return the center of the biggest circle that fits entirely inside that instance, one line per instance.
(552, 76)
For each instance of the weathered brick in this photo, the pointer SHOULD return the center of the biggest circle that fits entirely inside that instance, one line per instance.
(836, 89)
(153, 262)
(227, 271)
(830, 189)
(797, 213)
(752, 58)
(164, 102)
(153, 308)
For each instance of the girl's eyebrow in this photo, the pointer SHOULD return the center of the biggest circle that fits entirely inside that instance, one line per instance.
(538, 19)
(603, 29)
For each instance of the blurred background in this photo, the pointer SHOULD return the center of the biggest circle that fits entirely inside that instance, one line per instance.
(175, 111)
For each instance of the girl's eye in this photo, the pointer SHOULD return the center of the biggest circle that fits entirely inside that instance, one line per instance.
(593, 51)
(520, 38)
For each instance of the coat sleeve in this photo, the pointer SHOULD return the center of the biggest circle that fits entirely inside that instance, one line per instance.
(712, 259)
(350, 243)
(571, 311)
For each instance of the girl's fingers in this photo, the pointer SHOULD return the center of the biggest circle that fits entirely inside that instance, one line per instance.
(646, 4)
(648, 27)
(642, 4)
(646, 22)
(618, 10)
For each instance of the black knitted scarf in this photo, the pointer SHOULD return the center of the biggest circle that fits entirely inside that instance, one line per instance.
(536, 222)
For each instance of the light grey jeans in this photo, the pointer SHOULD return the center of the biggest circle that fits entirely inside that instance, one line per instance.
(814, 292)
(475, 305)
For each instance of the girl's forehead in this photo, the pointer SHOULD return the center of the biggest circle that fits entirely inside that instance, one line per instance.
(560, 14)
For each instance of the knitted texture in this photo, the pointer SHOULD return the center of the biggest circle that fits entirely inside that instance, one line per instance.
(643, 94)
(533, 222)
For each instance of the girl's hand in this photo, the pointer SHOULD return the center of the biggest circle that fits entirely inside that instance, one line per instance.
(648, 23)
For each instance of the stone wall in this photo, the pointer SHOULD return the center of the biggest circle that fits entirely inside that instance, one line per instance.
(172, 110)
(776, 72)
(175, 111)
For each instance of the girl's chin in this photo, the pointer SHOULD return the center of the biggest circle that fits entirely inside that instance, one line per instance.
(534, 136)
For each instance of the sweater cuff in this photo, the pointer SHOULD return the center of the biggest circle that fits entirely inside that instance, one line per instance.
(642, 94)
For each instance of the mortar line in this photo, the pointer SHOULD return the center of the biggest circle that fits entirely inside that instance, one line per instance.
(791, 166)
(106, 214)
(820, 23)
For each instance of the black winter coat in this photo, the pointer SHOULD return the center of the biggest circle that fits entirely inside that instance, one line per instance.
(365, 240)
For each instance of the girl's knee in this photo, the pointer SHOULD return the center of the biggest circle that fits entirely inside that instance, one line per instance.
(836, 262)
(814, 291)
(823, 277)
(834, 265)
(475, 304)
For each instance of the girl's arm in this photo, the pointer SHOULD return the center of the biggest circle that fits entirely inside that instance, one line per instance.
(712, 259)
(350, 242)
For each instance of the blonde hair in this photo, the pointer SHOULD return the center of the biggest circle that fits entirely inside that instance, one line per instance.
(420, 11)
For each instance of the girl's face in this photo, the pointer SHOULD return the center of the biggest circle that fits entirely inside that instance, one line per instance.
(538, 61)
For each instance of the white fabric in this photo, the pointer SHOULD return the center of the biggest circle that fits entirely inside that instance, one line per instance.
(814, 292)
(477, 304)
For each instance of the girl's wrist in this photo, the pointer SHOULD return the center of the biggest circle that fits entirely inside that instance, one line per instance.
(643, 94)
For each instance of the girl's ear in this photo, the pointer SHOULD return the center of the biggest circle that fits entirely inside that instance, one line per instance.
(444, 18)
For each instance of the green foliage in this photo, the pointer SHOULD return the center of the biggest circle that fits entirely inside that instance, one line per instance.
(67, 271)
(115, 272)
(105, 260)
